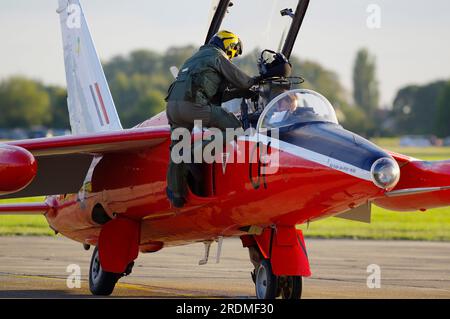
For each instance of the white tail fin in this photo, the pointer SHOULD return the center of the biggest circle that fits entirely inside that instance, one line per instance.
(91, 107)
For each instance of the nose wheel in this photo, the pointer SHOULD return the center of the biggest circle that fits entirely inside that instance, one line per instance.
(270, 286)
(101, 283)
(265, 281)
(290, 287)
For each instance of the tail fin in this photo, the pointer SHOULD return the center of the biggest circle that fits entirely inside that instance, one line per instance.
(91, 106)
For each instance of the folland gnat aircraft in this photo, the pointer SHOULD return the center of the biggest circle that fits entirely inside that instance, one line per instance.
(110, 182)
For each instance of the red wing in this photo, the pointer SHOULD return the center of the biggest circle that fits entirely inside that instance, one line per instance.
(96, 144)
(63, 162)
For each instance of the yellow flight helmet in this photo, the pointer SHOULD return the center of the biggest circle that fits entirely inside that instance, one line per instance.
(228, 42)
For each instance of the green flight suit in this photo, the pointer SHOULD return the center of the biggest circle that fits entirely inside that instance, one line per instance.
(204, 82)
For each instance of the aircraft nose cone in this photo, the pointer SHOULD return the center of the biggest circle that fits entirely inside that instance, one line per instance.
(17, 169)
(385, 173)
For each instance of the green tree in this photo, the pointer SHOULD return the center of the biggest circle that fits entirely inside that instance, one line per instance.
(365, 84)
(443, 112)
(150, 104)
(354, 119)
(23, 103)
(324, 81)
(176, 56)
(415, 108)
(58, 108)
(145, 62)
(139, 83)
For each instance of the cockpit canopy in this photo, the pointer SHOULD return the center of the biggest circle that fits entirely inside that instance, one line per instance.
(296, 107)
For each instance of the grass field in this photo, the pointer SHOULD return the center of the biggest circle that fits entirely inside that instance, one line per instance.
(424, 153)
(24, 225)
(433, 225)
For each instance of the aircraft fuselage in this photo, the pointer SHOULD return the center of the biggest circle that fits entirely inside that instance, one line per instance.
(323, 170)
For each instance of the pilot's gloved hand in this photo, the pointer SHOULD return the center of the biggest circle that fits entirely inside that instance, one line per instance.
(238, 94)
(250, 94)
(257, 79)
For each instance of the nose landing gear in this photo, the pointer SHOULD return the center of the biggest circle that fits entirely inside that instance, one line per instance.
(280, 262)
(290, 287)
(270, 286)
(266, 285)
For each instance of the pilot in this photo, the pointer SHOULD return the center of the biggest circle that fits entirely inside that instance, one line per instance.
(293, 109)
(205, 81)
(288, 103)
(282, 110)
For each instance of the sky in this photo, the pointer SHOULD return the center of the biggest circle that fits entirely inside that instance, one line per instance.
(411, 44)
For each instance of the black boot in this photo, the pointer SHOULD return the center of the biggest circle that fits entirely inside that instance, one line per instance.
(176, 201)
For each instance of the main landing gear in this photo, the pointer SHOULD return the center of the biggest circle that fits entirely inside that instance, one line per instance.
(102, 283)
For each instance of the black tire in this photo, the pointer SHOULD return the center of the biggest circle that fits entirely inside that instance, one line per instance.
(290, 287)
(266, 283)
(101, 283)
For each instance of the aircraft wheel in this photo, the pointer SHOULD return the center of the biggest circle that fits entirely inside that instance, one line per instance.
(290, 287)
(101, 283)
(265, 281)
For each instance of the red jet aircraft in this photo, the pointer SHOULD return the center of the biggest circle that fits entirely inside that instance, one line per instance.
(111, 182)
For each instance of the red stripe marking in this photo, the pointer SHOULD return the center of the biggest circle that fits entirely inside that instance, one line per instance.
(100, 98)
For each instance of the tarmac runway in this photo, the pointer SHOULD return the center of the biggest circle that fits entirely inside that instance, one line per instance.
(36, 267)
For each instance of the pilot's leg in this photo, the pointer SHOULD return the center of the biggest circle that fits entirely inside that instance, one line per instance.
(182, 114)
(222, 120)
(176, 173)
(176, 181)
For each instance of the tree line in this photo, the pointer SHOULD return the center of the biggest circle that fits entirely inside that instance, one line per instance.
(139, 83)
